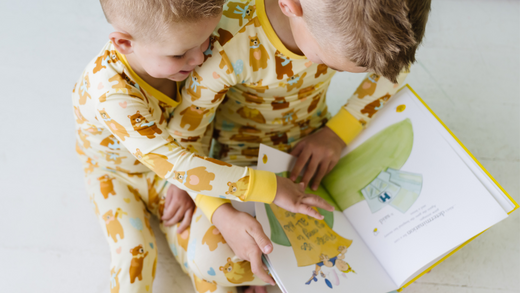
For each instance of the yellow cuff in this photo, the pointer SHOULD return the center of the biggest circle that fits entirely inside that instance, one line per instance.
(345, 125)
(209, 204)
(262, 186)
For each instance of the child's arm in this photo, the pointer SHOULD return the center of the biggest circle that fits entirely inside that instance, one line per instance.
(245, 236)
(322, 149)
(130, 120)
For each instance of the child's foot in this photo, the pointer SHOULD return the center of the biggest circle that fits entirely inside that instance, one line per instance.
(255, 289)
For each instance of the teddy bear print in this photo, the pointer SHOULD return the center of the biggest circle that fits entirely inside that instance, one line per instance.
(287, 117)
(240, 11)
(224, 61)
(157, 162)
(83, 138)
(220, 95)
(322, 69)
(215, 161)
(105, 59)
(194, 88)
(114, 157)
(314, 103)
(91, 164)
(251, 114)
(257, 86)
(115, 127)
(136, 266)
(114, 280)
(111, 142)
(153, 196)
(375, 106)
(134, 192)
(141, 125)
(252, 98)
(79, 151)
(224, 36)
(237, 272)
(253, 21)
(278, 137)
(250, 152)
(94, 130)
(257, 54)
(192, 116)
(306, 92)
(279, 103)
(83, 90)
(367, 87)
(209, 51)
(112, 224)
(122, 82)
(203, 286)
(283, 65)
(183, 238)
(106, 186)
(305, 128)
(196, 179)
(238, 188)
(295, 81)
(212, 238)
(244, 135)
(79, 117)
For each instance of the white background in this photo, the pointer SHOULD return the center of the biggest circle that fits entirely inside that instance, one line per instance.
(468, 71)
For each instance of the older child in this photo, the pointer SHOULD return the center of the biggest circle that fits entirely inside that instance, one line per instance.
(266, 75)
(123, 102)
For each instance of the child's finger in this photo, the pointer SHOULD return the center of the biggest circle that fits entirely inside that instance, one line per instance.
(309, 211)
(300, 163)
(185, 221)
(256, 267)
(261, 239)
(324, 166)
(311, 170)
(316, 201)
(177, 217)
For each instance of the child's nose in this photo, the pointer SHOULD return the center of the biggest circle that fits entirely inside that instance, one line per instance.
(197, 58)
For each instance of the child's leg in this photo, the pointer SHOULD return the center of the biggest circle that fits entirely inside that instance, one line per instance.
(123, 218)
(202, 251)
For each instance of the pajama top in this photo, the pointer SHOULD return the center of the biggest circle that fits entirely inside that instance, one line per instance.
(121, 127)
(264, 93)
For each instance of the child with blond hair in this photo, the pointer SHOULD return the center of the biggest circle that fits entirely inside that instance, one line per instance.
(265, 79)
(123, 102)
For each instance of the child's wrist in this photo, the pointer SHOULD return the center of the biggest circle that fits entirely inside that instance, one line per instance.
(222, 213)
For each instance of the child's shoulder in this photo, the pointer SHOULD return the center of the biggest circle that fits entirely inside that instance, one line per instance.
(105, 72)
(237, 14)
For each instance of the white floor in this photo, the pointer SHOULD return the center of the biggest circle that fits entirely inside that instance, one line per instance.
(468, 71)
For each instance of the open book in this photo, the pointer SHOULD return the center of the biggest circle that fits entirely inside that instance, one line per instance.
(406, 193)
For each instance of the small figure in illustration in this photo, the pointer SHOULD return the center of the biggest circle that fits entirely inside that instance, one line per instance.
(326, 270)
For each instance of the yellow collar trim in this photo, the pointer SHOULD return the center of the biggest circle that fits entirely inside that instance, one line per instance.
(150, 89)
(271, 34)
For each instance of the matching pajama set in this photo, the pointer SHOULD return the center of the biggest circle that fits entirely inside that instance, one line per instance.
(134, 142)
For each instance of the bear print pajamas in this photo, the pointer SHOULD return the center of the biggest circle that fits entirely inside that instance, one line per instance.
(257, 91)
(130, 160)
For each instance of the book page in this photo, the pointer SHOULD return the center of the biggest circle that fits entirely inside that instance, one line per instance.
(312, 255)
(406, 192)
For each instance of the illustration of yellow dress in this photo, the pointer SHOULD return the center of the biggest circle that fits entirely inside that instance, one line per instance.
(310, 238)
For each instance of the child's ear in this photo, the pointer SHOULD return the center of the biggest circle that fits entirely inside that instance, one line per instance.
(123, 42)
(291, 8)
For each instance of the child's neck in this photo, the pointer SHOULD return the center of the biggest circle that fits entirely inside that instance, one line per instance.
(281, 25)
(165, 86)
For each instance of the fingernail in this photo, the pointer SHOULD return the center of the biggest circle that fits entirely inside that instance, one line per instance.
(314, 187)
(266, 248)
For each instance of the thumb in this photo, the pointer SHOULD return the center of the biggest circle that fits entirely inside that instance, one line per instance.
(262, 240)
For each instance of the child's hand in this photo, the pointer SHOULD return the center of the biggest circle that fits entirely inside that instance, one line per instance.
(291, 197)
(245, 236)
(321, 151)
(178, 206)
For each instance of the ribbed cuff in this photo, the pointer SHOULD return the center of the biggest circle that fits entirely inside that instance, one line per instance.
(345, 125)
(209, 204)
(262, 186)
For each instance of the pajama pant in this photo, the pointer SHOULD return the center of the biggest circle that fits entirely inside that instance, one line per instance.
(124, 203)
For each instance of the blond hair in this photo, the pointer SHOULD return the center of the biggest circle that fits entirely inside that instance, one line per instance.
(381, 35)
(150, 19)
